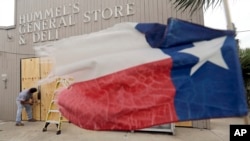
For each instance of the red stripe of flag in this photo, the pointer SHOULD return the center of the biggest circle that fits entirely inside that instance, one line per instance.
(134, 98)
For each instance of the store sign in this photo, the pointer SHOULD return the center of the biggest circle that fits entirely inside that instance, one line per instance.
(45, 25)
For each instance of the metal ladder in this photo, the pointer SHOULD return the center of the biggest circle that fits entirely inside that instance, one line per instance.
(54, 116)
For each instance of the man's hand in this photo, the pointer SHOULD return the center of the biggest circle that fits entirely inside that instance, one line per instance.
(31, 101)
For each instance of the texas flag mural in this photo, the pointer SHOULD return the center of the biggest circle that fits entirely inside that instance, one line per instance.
(138, 75)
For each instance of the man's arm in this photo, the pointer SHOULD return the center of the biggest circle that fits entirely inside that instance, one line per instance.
(29, 101)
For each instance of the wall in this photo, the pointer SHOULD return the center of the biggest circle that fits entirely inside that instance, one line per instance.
(69, 18)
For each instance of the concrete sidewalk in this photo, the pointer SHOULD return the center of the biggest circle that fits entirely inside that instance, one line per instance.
(32, 131)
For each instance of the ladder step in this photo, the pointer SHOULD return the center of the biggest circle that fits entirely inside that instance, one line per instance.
(54, 111)
(53, 121)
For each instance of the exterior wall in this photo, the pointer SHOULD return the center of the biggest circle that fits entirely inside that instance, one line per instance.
(74, 17)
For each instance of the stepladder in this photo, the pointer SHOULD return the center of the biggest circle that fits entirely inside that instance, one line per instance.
(53, 115)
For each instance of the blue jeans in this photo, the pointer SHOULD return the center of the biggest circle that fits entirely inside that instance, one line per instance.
(20, 107)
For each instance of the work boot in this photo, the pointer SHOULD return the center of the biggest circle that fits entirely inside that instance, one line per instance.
(19, 124)
(32, 120)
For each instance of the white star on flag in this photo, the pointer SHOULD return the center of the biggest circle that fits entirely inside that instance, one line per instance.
(207, 51)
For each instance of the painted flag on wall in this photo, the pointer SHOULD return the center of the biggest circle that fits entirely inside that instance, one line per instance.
(138, 75)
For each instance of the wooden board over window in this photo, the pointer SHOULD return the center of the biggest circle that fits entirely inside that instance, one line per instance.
(30, 75)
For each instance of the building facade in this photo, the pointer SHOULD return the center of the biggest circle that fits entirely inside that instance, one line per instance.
(38, 22)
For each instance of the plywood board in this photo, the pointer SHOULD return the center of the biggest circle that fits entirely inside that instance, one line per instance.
(47, 90)
(30, 75)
